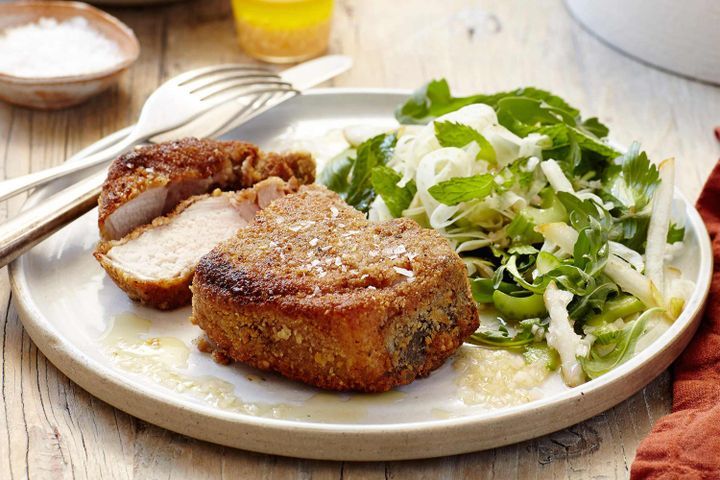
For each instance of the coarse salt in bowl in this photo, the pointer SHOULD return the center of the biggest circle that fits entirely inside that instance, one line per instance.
(57, 54)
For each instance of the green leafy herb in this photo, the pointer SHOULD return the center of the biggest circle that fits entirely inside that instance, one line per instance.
(591, 249)
(582, 213)
(451, 134)
(639, 179)
(463, 189)
(625, 341)
(385, 182)
(523, 250)
(594, 302)
(526, 332)
(434, 99)
(521, 230)
(675, 234)
(351, 177)
(594, 127)
(336, 172)
(483, 288)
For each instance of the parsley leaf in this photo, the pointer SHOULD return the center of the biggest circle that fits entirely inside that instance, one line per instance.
(639, 179)
(463, 189)
(451, 134)
(385, 182)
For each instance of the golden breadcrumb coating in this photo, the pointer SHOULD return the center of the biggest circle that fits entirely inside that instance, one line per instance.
(314, 291)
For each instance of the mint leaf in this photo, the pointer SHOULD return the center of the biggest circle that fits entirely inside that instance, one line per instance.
(385, 182)
(523, 115)
(370, 154)
(594, 127)
(588, 141)
(675, 234)
(451, 134)
(335, 174)
(434, 99)
(463, 189)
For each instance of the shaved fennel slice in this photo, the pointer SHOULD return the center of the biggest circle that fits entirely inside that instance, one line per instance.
(379, 211)
(562, 337)
(555, 176)
(435, 167)
(632, 281)
(559, 233)
(627, 254)
(660, 224)
(357, 134)
(478, 116)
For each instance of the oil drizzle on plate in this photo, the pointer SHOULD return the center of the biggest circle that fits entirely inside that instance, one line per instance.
(163, 359)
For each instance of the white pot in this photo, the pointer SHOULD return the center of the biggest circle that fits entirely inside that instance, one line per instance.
(682, 36)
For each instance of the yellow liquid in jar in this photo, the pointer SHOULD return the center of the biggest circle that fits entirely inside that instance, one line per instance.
(283, 30)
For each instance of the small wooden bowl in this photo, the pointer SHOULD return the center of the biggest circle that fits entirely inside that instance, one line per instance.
(59, 92)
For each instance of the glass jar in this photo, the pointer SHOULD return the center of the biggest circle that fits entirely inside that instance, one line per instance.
(283, 31)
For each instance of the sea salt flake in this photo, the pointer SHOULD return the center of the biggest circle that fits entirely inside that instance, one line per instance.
(404, 272)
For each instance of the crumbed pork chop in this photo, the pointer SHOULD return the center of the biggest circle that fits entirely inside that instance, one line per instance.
(314, 291)
(154, 264)
(150, 181)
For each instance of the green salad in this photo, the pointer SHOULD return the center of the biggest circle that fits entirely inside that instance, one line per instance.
(566, 239)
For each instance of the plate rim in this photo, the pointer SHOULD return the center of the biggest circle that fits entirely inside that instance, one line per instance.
(82, 369)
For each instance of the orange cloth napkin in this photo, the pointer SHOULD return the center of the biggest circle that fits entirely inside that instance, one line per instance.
(686, 443)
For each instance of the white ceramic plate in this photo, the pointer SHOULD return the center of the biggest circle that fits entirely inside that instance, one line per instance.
(90, 330)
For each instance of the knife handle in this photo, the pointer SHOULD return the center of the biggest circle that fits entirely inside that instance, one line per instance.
(30, 227)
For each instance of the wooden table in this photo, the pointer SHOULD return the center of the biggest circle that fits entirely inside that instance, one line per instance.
(51, 428)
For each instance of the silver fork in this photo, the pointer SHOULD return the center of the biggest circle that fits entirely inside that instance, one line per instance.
(175, 103)
(31, 226)
(48, 214)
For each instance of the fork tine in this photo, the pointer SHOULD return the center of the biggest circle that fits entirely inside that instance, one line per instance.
(232, 96)
(263, 103)
(198, 85)
(192, 75)
(238, 85)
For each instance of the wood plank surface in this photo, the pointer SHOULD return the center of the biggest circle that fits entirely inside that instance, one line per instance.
(51, 428)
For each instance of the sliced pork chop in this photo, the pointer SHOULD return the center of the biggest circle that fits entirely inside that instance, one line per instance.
(314, 291)
(155, 263)
(150, 181)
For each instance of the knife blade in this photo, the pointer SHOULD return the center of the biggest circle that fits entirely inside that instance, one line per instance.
(225, 117)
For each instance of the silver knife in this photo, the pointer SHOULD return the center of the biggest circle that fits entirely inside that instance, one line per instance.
(45, 216)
